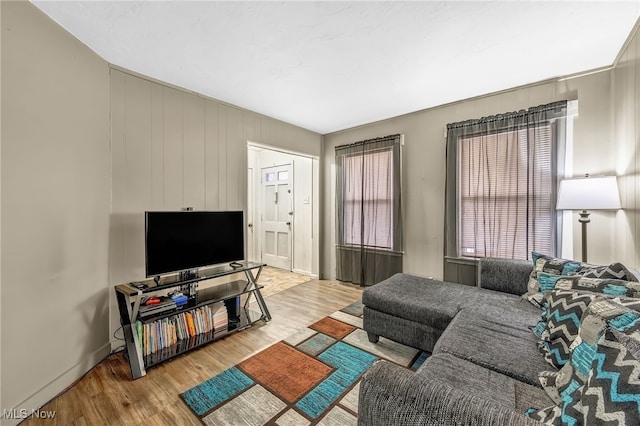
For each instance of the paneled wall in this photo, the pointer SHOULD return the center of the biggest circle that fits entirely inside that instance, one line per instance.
(56, 200)
(626, 134)
(173, 149)
(424, 164)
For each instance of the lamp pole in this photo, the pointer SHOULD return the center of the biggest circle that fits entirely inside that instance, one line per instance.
(584, 219)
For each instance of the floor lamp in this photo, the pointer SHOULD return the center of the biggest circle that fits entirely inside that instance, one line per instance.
(588, 193)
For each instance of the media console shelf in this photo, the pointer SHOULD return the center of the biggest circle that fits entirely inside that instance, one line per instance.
(153, 338)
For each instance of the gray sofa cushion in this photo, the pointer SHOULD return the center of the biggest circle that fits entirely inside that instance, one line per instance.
(410, 333)
(506, 275)
(393, 395)
(489, 384)
(503, 346)
(516, 312)
(430, 302)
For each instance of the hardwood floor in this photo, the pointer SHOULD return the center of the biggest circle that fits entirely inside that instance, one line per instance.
(275, 280)
(106, 394)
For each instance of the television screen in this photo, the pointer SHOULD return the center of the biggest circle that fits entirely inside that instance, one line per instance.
(183, 240)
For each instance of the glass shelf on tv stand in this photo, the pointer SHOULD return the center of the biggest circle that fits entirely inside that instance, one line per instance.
(202, 274)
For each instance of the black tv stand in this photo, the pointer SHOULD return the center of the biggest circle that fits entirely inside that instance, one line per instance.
(187, 275)
(130, 295)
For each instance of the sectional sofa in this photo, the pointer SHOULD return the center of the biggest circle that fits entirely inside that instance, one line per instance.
(489, 354)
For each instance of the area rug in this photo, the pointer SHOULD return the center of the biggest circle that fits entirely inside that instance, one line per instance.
(310, 378)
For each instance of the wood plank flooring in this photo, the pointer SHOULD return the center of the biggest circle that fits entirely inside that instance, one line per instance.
(106, 395)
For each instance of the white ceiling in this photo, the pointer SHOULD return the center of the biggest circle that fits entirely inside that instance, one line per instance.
(327, 66)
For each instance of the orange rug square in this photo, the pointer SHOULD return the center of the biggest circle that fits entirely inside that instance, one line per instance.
(334, 328)
(285, 371)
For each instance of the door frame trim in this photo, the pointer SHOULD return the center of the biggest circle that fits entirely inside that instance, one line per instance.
(316, 200)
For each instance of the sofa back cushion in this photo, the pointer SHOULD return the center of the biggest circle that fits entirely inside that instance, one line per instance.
(505, 275)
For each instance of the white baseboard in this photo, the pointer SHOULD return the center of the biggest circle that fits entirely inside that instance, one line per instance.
(307, 273)
(54, 388)
(117, 346)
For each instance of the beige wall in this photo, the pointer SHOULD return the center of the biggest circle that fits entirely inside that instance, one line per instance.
(73, 200)
(173, 149)
(424, 163)
(55, 207)
(1, 27)
(626, 134)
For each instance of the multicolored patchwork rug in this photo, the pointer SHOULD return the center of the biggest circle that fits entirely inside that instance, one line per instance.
(309, 378)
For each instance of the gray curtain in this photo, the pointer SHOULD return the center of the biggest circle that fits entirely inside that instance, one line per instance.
(512, 140)
(368, 210)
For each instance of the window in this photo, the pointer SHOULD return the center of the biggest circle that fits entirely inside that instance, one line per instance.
(501, 180)
(368, 199)
(368, 210)
(505, 211)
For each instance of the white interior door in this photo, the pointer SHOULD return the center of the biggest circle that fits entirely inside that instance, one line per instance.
(277, 216)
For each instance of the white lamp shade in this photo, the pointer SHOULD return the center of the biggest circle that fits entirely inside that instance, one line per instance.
(589, 193)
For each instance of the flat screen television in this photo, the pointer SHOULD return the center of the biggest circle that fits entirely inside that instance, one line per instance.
(178, 241)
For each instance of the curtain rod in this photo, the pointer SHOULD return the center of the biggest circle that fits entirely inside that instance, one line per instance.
(521, 113)
(380, 139)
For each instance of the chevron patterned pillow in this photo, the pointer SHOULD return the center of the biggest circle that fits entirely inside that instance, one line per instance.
(567, 386)
(549, 265)
(608, 286)
(615, 270)
(564, 310)
(612, 391)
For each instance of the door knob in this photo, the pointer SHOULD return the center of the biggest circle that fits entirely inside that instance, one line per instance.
(288, 223)
(250, 225)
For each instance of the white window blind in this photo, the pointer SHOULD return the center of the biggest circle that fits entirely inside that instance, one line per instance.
(505, 193)
(368, 199)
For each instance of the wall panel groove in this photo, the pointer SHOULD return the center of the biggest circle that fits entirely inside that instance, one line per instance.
(173, 149)
(626, 82)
